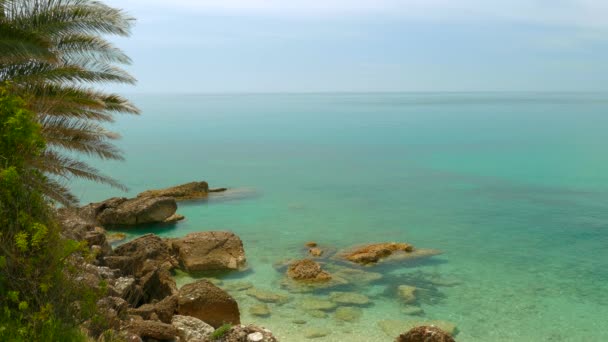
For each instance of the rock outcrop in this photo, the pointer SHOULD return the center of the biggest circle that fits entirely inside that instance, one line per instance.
(208, 303)
(209, 251)
(425, 334)
(374, 253)
(307, 270)
(153, 330)
(188, 191)
(141, 255)
(141, 210)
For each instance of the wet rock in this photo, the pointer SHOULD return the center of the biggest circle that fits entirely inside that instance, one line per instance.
(317, 313)
(317, 304)
(188, 191)
(261, 310)
(311, 244)
(174, 218)
(307, 270)
(299, 321)
(141, 210)
(191, 329)
(348, 314)
(315, 252)
(153, 329)
(407, 293)
(116, 237)
(267, 296)
(208, 303)
(316, 332)
(412, 310)
(393, 327)
(425, 334)
(238, 286)
(353, 275)
(350, 298)
(209, 251)
(373, 253)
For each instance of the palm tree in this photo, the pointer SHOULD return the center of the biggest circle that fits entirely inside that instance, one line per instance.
(53, 52)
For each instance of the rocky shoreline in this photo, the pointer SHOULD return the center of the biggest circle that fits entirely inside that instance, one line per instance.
(143, 303)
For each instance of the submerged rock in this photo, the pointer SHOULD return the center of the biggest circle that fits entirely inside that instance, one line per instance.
(307, 270)
(412, 310)
(317, 304)
(267, 296)
(208, 303)
(393, 327)
(188, 191)
(209, 251)
(372, 253)
(407, 293)
(316, 332)
(425, 334)
(348, 314)
(261, 310)
(351, 298)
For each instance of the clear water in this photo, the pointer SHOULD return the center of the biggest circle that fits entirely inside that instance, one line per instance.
(513, 188)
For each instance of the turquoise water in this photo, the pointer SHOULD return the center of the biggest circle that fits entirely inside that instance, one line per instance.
(513, 188)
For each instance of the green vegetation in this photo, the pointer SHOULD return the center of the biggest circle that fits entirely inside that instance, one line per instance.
(221, 331)
(51, 51)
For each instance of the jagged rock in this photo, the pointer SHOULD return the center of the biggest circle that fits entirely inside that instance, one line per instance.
(317, 304)
(141, 210)
(209, 251)
(74, 226)
(126, 288)
(267, 296)
(188, 191)
(153, 329)
(348, 314)
(407, 293)
(208, 303)
(156, 285)
(392, 327)
(307, 270)
(261, 310)
(351, 298)
(113, 311)
(191, 329)
(425, 334)
(164, 310)
(141, 255)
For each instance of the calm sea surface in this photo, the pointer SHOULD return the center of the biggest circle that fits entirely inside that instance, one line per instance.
(512, 187)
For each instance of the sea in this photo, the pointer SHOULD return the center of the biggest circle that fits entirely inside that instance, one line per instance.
(512, 188)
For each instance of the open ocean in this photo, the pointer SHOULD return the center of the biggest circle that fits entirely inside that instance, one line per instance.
(511, 187)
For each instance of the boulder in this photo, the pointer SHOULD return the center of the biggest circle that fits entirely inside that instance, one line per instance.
(127, 289)
(156, 285)
(141, 210)
(307, 270)
(209, 251)
(311, 303)
(425, 334)
(372, 253)
(164, 310)
(208, 303)
(315, 252)
(141, 255)
(350, 298)
(191, 329)
(188, 191)
(407, 293)
(261, 310)
(348, 314)
(153, 330)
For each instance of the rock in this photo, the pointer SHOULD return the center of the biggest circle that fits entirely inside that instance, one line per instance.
(188, 191)
(116, 237)
(191, 328)
(425, 334)
(153, 329)
(208, 303)
(174, 218)
(112, 310)
(412, 310)
(317, 313)
(373, 253)
(315, 252)
(261, 310)
(97, 237)
(311, 244)
(74, 225)
(348, 314)
(351, 298)
(299, 321)
(353, 275)
(316, 332)
(209, 251)
(249, 333)
(393, 327)
(218, 190)
(141, 255)
(267, 296)
(407, 293)
(317, 304)
(141, 210)
(126, 288)
(156, 285)
(307, 270)
(164, 310)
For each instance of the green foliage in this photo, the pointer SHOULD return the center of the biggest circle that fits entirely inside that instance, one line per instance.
(221, 331)
(36, 293)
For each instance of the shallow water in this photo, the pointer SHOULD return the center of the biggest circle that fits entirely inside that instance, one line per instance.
(513, 188)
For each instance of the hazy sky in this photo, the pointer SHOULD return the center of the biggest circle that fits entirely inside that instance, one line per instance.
(367, 45)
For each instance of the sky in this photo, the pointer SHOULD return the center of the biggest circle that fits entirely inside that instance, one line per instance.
(252, 46)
